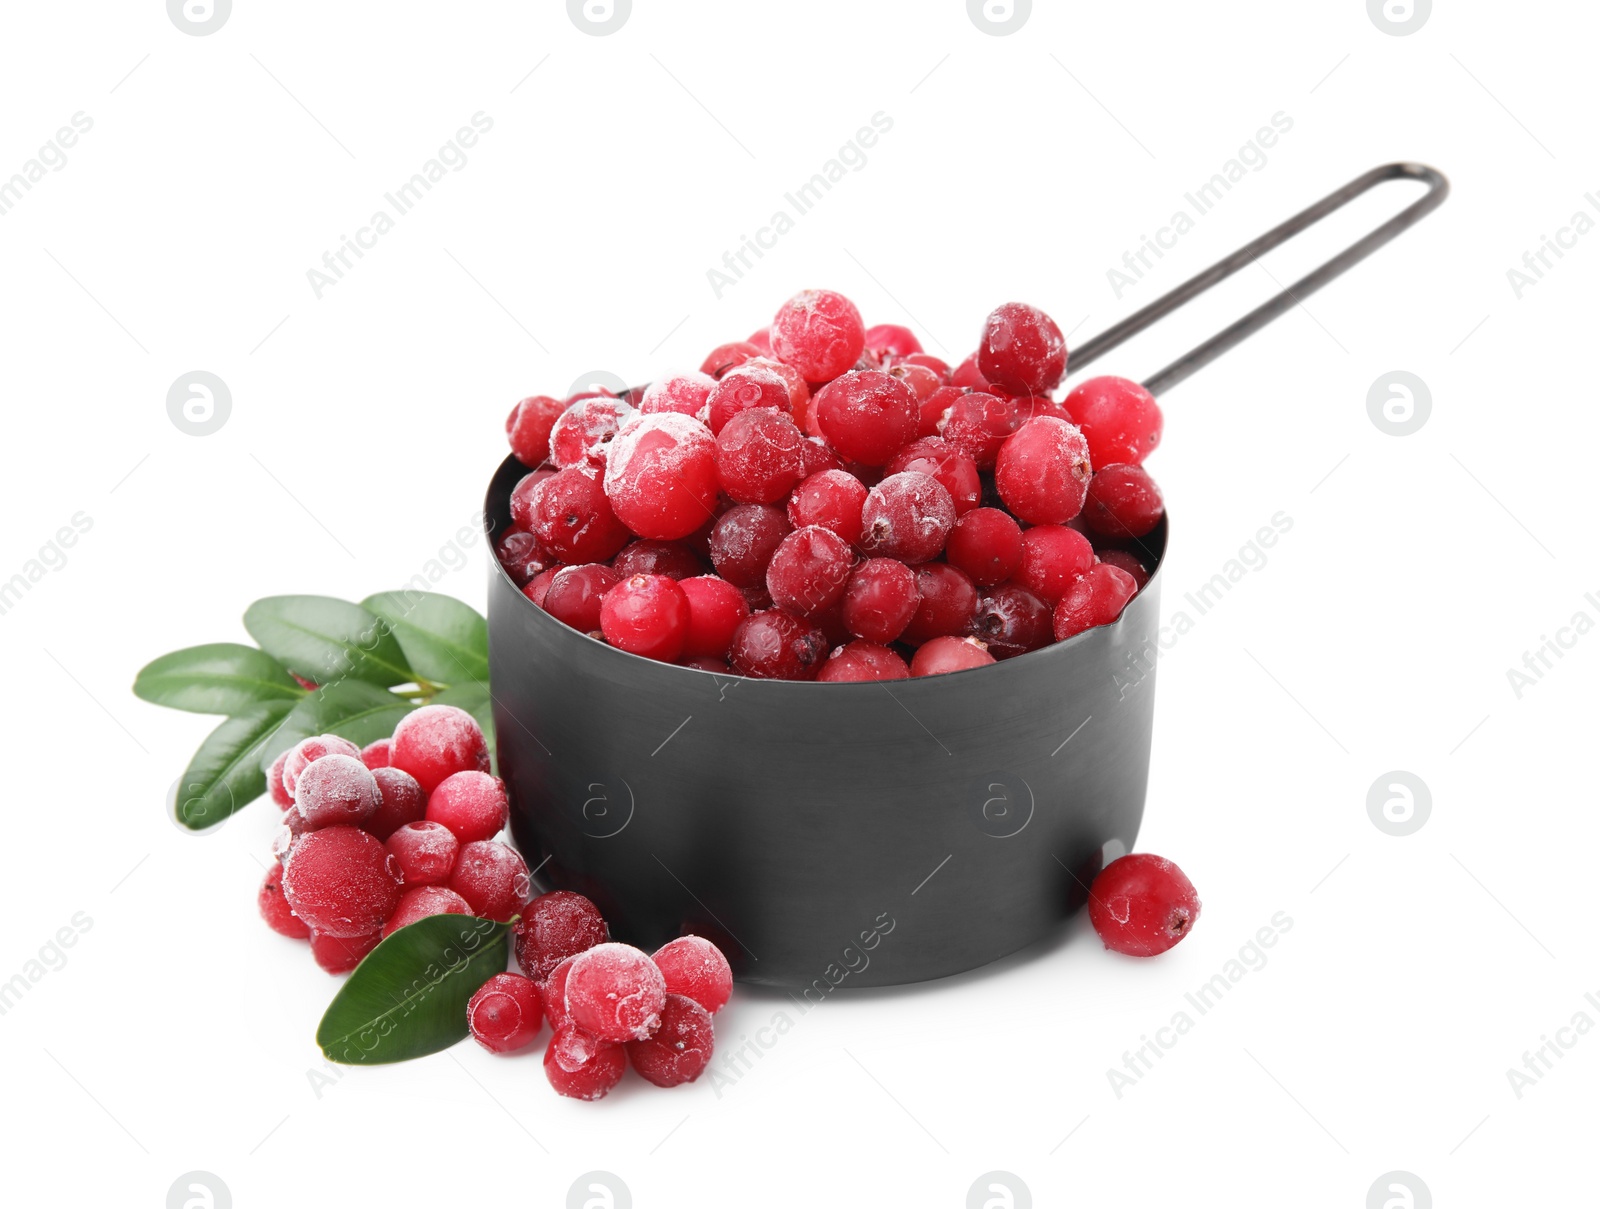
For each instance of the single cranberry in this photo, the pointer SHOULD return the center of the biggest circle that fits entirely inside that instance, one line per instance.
(680, 1048)
(932, 410)
(953, 467)
(742, 542)
(572, 518)
(341, 954)
(275, 909)
(425, 852)
(1095, 598)
(432, 742)
(808, 570)
(574, 595)
(522, 556)
(716, 608)
(554, 927)
(583, 432)
(336, 789)
(751, 386)
(968, 376)
(1022, 349)
(1052, 557)
(279, 793)
(539, 586)
(675, 560)
(907, 516)
(615, 992)
(581, 1066)
(1142, 905)
(867, 416)
(472, 804)
(820, 333)
(1121, 419)
(1042, 471)
(948, 653)
(729, 356)
(815, 457)
(987, 544)
(305, 752)
(341, 881)
(376, 754)
(832, 499)
(420, 902)
(1011, 621)
(685, 394)
(647, 615)
(661, 480)
(1129, 563)
(505, 1014)
(553, 993)
(1123, 502)
(528, 428)
(695, 967)
(893, 338)
(924, 383)
(862, 660)
(799, 391)
(948, 601)
(493, 878)
(880, 599)
(774, 645)
(978, 424)
(759, 456)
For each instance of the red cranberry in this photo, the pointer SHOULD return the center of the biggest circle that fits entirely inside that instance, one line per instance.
(742, 542)
(582, 433)
(554, 927)
(867, 416)
(832, 499)
(761, 338)
(1052, 557)
(695, 967)
(751, 386)
(759, 456)
(615, 992)
(968, 376)
(1011, 621)
(729, 356)
(685, 394)
(816, 457)
(1121, 419)
(647, 615)
(1129, 563)
(375, 755)
(1123, 502)
(799, 391)
(1042, 472)
(808, 570)
(432, 742)
(820, 333)
(949, 654)
(931, 410)
(505, 1014)
(862, 660)
(954, 468)
(924, 383)
(716, 608)
(274, 907)
(570, 515)
(774, 645)
(421, 902)
(901, 341)
(528, 428)
(1022, 349)
(336, 789)
(341, 881)
(672, 559)
(880, 599)
(987, 544)
(424, 852)
(1142, 905)
(553, 993)
(520, 553)
(493, 878)
(305, 752)
(680, 1048)
(1095, 598)
(279, 793)
(948, 603)
(907, 516)
(538, 587)
(473, 805)
(574, 595)
(661, 479)
(341, 954)
(978, 424)
(582, 1067)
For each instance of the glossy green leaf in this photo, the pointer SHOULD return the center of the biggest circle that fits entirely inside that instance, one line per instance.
(444, 640)
(408, 997)
(218, 678)
(328, 640)
(351, 709)
(225, 774)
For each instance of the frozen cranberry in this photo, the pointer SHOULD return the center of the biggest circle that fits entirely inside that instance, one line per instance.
(647, 615)
(949, 600)
(793, 379)
(287, 835)
(685, 394)
(979, 423)
(1052, 557)
(893, 338)
(279, 793)
(582, 1067)
(473, 805)
(820, 333)
(425, 852)
(832, 499)
(1095, 598)
(1022, 349)
(742, 542)
(907, 516)
(761, 338)
(759, 456)
(615, 992)
(432, 742)
(954, 468)
(1124, 502)
(774, 645)
(661, 480)
(716, 608)
(880, 599)
(419, 902)
(554, 927)
(747, 388)
(1011, 621)
(1129, 563)
(341, 954)
(505, 1014)
(675, 560)
(1120, 419)
(274, 907)
(582, 433)
(303, 753)
(862, 660)
(729, 356)
(680, 1048)
(867, 416)
(520, 553)
(924, 383)
(574, 595)
(987, 544)
(968, 376)
(528, 428)
(539, 586)
(336, 789)
(1142, 905)
(376, 754)
(815, 457)
(931, 410)
(695, 967)
(571, 516)
(948, 653)
(341, 881)
(1042, 472)
(808, 570)
(553, 993)
(493, 878)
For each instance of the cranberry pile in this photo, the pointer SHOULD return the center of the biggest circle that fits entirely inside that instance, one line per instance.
(825, 501)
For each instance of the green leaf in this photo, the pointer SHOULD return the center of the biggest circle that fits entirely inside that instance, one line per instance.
(408, 997)
(327, 640)
(444, 640)
(218, 678)
(351, 709)
(474, 698)
(225, 774)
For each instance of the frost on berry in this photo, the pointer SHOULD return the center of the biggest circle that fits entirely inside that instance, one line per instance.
(314, 748)
(528, 428)
(615, 992)
(1022, 349)
(866, 416)
(680, 1048)
(695, 967)
(818, 332)
(1042, 471)
(424, 852)
(863, 660)
(473, 805)
(341, 881)
(336, 789)
(432, 742)
(419, 902)
(582, 1067)
(504, 1014)
(907, 517)
(661, 479)
(581, 436)
(1142, 905)
(682, 393)
(493, 878)
(275, 909)
(554, 927)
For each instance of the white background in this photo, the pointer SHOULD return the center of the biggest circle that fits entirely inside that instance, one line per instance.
(178, 1035)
